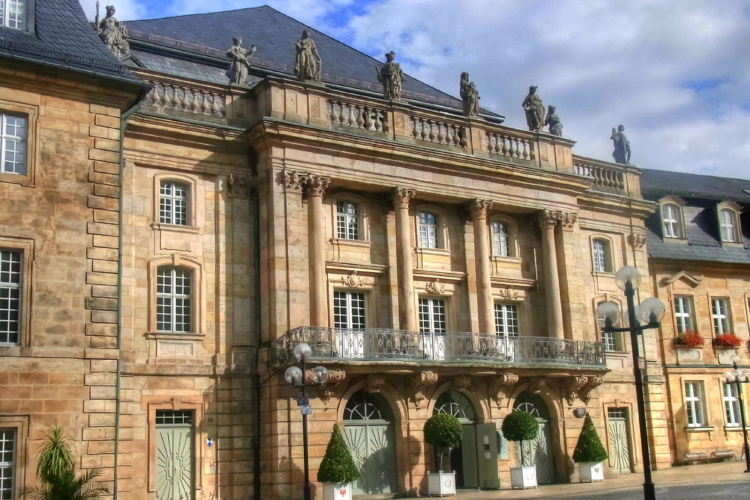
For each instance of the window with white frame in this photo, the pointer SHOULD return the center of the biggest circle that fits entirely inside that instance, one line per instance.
(13, 15)
(13, 143)
(173, 203)
(728, 226)
(694, 406)
(349, 310)
(11, 275)
(428, 230)
(506, 320)
(8, 455)
(602, 256)
(173, 299)
(683, 313)
(500, 241)
(732, 405)
(720, 315)
(670, 217)
(432, 317)
(347, 223)
(611, 341)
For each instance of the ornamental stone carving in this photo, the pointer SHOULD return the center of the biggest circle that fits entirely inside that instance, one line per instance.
(537, 385)
(621, 154)
(238, 186)
(419, 383)
(353, 281)
(113, 33)
(291, 180)
(401, 197)
(573, 385)
(315, 185)
(391, 76)
(480, 209)
(636, 240)
(549, 218)
(568, 219)
(507, 294)
(592, 383)
(502, 387)
(374, 382)
(534, 108)
(307, 65)
(240, 61)
(461, 382)
(555, 127)
(335, 377)
(469, 95)
(435, 287)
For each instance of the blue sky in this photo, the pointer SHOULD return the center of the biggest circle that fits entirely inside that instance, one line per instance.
(675, 73)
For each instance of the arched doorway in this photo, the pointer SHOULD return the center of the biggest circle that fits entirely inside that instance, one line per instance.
(538, 452)
(369, 434)
(475, 461)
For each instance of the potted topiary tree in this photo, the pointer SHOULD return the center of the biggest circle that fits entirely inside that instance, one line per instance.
(589, 454)
(444, 432)
(520, 426)
(337, 470)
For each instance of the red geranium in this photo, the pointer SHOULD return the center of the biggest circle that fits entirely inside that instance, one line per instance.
(690, 339)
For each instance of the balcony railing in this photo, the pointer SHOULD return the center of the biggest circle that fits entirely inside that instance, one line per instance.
(374, 344)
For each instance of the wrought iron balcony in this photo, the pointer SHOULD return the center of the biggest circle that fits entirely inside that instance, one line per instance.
(377, 344)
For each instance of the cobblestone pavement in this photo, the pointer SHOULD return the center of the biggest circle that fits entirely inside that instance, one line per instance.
(682, 492)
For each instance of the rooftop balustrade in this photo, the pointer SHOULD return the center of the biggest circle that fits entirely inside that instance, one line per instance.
(380, 344)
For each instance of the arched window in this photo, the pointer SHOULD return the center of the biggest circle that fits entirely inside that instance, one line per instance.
(364, 406)
(602, 255)
(456, 404)
(671, 217)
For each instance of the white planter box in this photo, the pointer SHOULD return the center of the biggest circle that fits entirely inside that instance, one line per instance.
(523, 477)
(441, 483)
(337, 491)
(589, 472)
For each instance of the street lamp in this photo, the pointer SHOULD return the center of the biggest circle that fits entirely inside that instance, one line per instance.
(298, 378)
(740, 377)
(651, 311)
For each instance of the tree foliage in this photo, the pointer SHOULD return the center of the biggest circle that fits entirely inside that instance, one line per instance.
(520, 426)
(338, 465)
(443, 431)
(589, 447)
(56, 473)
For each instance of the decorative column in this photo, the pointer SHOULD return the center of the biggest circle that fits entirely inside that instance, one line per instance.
(479, 210)
(547, 222)
(315, 185)
(406, 314)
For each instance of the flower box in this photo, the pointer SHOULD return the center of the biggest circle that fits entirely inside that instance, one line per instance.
(441, 483)
(727, 341)
(689, 340)
(523, 477)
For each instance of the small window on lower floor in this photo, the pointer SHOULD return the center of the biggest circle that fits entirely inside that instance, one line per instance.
(732, 405)
(8, 455)
(694, 404)
(612, 342)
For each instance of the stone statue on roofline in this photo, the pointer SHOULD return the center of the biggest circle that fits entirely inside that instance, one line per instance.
(391, 76)
(622, 146)
(113, 33)
(240, 65)
(469, 95)
(308, 62)
(534, 109)
(555, 127)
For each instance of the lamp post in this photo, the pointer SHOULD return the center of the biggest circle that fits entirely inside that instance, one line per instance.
(738, 377)
(651, 311)
(297, 377)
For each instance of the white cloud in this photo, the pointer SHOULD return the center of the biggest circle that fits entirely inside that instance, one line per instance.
(674, 72)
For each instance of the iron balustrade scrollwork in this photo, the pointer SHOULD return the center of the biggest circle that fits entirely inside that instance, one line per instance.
(377, 344)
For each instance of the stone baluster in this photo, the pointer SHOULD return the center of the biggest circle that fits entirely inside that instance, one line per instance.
(196, 102)
(206, 106)
(216, 107)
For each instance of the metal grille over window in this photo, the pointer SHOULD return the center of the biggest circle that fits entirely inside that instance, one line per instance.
(10, 296)
(173, 204)
(174, 417)
(500, 239)
(506, 320)
(13, 136)
(173, 299)
(7, 462)
(13, 15)
(346, 220)
(427, 230)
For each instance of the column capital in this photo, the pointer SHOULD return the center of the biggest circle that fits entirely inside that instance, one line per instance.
(401, 197)
(480, 208)
(291, 179)
(315, 185)
(637, 240)
(547, 218)
(568, 219)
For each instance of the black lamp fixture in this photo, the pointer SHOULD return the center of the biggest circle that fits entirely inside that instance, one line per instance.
(738, 377)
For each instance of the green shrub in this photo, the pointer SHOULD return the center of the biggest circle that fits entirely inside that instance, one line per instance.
(520, 426)
(589, 447)
(443, 431)
(338, 465)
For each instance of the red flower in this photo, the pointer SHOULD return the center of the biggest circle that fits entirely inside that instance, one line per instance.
(727, 340)
(690, 339)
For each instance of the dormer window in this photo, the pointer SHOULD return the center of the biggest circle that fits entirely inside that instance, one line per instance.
(13, 14)
(671, 216)
(728, 226)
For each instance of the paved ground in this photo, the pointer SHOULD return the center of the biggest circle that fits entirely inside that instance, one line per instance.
(725, 480)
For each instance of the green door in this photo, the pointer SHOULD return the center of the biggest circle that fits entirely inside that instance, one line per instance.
(174, 455)
(487, 448)
(537, 452)
(468, 465)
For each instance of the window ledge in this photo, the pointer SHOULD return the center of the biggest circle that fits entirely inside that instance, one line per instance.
(669, 239)
(500, 258)
(21, 179)
(433, 251)
(174, 336)
(700, 429)
(606, 274)
(618, 353)
(175, 228)
(732, 244)
(353, 243)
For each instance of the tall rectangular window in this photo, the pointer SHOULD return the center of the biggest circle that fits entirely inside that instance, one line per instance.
(173, 299)
(7, 463)
(694, 404)
(346, 221)
(432, 317)
(610, 341)
(13, 15)
(600, 257)
(720, 315)
(500, 239)
(506, 320)
(13, 143)
(10, 296)
(427, 230)
(173, 203)
(349, 310)
(683, 313)
(670, 218)
(732, 405)
(726, 222)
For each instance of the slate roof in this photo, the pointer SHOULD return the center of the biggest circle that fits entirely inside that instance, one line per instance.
(701, 193)
(62, 37)
(274, 34)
